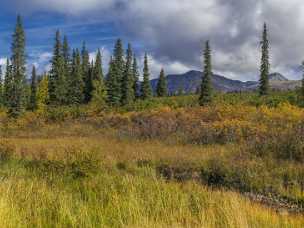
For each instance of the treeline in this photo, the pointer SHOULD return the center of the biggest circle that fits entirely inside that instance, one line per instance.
(73, 78)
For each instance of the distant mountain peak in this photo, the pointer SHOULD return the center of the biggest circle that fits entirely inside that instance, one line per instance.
(277, 77)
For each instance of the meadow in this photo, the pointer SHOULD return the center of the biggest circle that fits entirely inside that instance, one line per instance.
(161, 163)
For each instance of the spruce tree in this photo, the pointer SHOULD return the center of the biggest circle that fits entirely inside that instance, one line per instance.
(98, 91)
(119, 66)
(76, 84)
(66, 55)
(136, 87)
(91, 73)
(113, 85)
(85, 61)
(8, 84)
(57, 77)
(265, 66)
(128, 80)
(1, 88)
(33, 95)
(161, 89)
(61, 85)
(17, 99)
(206, 86)
(97, 70)
(146, 90)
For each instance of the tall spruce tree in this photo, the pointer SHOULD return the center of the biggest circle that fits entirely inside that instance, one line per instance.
(76, 84)
(265, 66)
(17, 99)
(161, 89)
(85, 61)
(98, 91)
(206, 86)
(146, 89)
(113, 85)
(66, 59)
(57, 78)
(1, 87)
(8, 84)
(33, 95)
(136, 75)
(66, 54)
(98, 71)
(128, 79)
(119, 66)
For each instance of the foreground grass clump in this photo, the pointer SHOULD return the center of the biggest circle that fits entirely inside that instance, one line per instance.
(49, 193)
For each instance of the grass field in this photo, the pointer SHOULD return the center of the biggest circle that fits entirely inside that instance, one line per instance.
(95, 181)
(164, 166)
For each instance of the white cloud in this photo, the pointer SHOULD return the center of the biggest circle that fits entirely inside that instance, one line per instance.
(72, 7)
(174, 30)
(41, 61)
(155, 66)
(3, 61)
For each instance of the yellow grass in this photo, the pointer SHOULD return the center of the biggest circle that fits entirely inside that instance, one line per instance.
(33, 193)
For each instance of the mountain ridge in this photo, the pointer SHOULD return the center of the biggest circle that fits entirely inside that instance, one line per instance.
(190, 81)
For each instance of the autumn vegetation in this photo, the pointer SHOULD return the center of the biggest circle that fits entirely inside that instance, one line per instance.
(166, 162)
(82, 148)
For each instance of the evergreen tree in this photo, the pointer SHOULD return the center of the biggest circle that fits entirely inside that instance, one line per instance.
(57, 77)
(91, 73)
(113, 97)
(265, 66)
(119, 66)
(33, 94)
(206, 86)
(98, 91)
(98, 72)
(85, 61)
(128, 80)
(76, 86)
(8, 84)
(146, 90)
(61, 85)
(67, 60)
(66, 54)
(136, 87)
(17, 99)
(161, 89)
(1, 87)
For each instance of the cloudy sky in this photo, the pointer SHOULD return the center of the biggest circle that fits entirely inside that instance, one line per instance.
(171, 31)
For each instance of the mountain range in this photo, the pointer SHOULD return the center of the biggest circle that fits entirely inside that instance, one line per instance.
(190, 83)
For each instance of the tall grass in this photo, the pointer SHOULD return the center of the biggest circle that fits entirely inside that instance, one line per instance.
(101, 181)
(36, 195)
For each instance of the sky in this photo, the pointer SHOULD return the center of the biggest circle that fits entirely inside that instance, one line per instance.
(172, 32)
